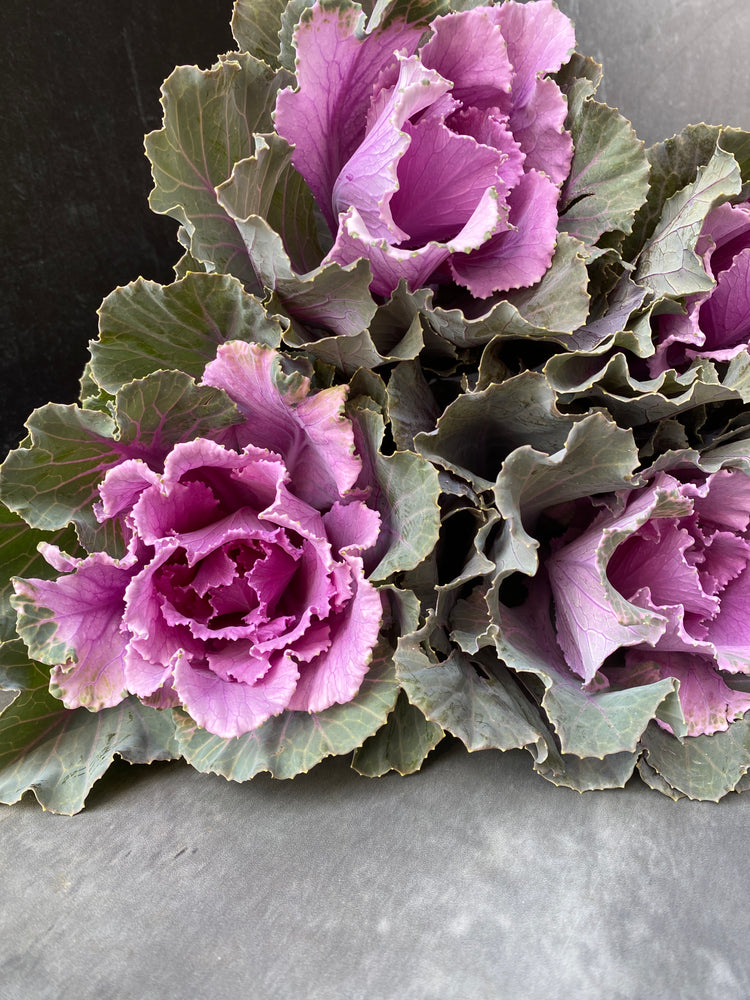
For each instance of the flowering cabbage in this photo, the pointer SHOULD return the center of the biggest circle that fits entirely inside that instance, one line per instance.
(242, 592)
(438, 160)
(716, 323)
(663, 579)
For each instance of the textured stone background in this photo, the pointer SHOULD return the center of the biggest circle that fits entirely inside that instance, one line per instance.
(475, 880)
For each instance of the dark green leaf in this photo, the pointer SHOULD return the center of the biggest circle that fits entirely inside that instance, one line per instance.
(256, 25)
(608, 178)
(405, 493)
(674, 164)
(483, 710)
(267, 185)
(156, 412)
(54, 482)
(478, 430)
(552, 309)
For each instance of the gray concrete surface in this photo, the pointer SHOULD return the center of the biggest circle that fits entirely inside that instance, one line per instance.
(669, 63)
(475, 880)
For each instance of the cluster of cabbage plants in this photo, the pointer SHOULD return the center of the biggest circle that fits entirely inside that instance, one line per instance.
(441, 428)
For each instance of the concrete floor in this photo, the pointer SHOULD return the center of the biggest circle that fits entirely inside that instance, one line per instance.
(475, 880)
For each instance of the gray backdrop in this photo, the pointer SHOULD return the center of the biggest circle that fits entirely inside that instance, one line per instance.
(474, 879)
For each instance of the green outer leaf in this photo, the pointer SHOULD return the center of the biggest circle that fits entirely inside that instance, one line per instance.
(209, 120)
(146, 326)
(400, 745)
(19, 557)
(332, 297)
(394, 334)
(674, 163)
(654, 780)
(553, 309)
(597, 457)
(580, 74)
(256, 25)
(53, 483)
(385, 12)
(405, 493)
(166, 407)
(589, 724)
(483, 712)
(608, 178)
(289, 20)
(587, 774)
(267, 185)
(59, 753)
(700, 767)
(478, 430)
(293, 742)
(412, 408)
(668, 264)
(606, 381)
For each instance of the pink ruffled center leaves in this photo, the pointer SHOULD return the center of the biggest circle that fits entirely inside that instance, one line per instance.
(715, 324)
(243, 592)
(674, 590)
(453, 157)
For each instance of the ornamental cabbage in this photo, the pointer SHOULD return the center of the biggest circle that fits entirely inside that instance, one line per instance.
(716, 324)
(242, 592)
(657, 585)
(437, 160)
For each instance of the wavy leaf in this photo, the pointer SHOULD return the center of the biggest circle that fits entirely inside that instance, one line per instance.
(405, 494)
(146, 326)
(293, 742)
(700, 767)
(597, 380)
(587, 774)
(267, 185)
(674, 164)
(400, 745)
(589, 724)
(668, 264)
(55, 481)
(256, 25)
(552, 309)
(478, 430)
(484, 710)
(19, 557)
(209, 120)
(59, 753)
(608, 178)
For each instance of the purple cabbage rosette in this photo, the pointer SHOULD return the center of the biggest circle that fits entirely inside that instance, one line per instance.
(242, 590)
(236, 545)
(407, 179)
(438, 160)
(600, 615)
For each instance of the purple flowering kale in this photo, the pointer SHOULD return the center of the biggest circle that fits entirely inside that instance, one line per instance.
(439, 160)
(657, 586)
(242, 591)
(716, 323)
